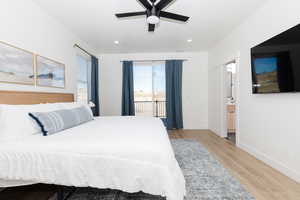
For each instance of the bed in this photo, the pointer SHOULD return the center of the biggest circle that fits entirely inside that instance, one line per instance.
(131, 154)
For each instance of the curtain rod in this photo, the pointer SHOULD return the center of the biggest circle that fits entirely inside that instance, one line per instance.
(82, 49)
(151, 60)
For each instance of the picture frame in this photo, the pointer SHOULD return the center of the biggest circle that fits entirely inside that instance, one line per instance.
(49, 73)
(16, 65)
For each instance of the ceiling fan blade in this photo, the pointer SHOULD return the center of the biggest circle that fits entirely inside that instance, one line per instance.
(131, 14)
(162, 4)
(146, 4)
(151, 27)
(174, 16)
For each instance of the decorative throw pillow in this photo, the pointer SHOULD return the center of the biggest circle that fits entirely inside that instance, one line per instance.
(56, 121)
(72, 105)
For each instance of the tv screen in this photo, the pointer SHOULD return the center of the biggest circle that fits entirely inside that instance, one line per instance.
(276, 63)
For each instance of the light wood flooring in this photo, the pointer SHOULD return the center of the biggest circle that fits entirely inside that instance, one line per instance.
(262, 181)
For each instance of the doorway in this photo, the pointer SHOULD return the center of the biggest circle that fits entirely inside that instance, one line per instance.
(231, 100)
(149, 89)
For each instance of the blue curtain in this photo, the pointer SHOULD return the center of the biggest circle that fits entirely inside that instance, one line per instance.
(174, 94)
(128, 90)
(95, 86)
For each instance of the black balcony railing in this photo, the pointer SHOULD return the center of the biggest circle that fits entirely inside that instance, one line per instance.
(153, 108)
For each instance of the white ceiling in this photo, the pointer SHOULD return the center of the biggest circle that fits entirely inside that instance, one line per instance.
(95, 23)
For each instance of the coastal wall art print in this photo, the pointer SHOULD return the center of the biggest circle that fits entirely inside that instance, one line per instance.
(16, 65)
(50, 73)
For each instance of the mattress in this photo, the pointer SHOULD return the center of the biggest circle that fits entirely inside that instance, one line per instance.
(131, 154)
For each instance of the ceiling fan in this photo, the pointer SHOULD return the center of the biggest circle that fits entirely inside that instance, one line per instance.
(154, 10)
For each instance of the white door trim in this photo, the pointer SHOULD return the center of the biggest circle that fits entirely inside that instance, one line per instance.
(223, 101)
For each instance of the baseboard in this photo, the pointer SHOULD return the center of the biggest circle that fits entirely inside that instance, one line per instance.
(199, 127)
(273, 163)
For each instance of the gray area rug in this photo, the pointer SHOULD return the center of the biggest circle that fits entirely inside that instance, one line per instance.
(206, 179)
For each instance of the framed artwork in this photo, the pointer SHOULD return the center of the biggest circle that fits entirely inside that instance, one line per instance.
(49, 73)
(16, 65)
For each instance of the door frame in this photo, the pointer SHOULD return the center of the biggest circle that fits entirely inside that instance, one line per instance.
(223, 100)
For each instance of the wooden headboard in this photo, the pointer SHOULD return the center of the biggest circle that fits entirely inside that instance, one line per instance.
(21, 97)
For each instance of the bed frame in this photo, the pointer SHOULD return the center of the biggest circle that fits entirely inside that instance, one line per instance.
(27, 98)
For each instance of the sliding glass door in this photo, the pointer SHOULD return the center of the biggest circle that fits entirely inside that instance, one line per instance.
(149, 89)
(83, 79)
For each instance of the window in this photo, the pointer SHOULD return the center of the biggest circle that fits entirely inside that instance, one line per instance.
(149, 89)
(83, 79)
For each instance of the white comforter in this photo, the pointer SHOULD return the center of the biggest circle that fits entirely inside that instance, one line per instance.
(126, 153)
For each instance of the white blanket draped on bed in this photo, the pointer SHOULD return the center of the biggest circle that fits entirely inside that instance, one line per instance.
(131, 154)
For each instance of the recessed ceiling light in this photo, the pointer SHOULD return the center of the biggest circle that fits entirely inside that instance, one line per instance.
(189, 40)
(116, 42)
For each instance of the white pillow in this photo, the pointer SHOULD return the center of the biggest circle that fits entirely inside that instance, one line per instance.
(15, 122)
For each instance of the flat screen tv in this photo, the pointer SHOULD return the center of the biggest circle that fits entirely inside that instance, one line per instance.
(276, 63)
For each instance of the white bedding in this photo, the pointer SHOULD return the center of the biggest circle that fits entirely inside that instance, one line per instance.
(126, 153)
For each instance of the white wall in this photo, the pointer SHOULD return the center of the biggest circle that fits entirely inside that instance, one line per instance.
(269, 124)
(25, 25)
(195, 105)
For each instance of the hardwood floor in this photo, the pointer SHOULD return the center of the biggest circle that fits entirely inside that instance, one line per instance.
(262, 181)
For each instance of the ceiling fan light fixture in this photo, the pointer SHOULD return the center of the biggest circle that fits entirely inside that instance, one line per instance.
(153, 19)
(154, 11)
